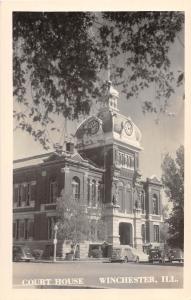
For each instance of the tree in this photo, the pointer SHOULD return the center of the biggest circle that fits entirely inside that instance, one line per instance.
(73, 222)
(59, 60)
(173, 180)
(77, 224)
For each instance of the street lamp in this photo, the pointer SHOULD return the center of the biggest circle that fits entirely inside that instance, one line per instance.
(55, 241)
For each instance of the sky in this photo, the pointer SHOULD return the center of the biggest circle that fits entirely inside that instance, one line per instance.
(158, 138)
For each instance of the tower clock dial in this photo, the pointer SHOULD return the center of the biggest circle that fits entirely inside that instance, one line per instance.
(128, 127)
(93, 126)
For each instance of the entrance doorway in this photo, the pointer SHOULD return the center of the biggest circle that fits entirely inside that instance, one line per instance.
(125, 233)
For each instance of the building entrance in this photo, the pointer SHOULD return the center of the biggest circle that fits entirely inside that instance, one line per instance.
(125, 233)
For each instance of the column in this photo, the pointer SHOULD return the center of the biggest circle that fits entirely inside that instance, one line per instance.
(85, 189)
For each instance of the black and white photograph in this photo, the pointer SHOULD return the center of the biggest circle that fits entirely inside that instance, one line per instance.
(97, 184)
(98, 180)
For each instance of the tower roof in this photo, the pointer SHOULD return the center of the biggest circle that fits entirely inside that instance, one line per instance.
(109, 99)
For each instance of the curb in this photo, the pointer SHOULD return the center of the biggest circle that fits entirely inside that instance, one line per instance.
(69, 261)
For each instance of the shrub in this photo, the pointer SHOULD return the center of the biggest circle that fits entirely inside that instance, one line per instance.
(37, 253)
(96, 253)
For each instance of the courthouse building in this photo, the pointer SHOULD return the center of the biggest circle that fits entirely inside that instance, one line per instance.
(101, 171)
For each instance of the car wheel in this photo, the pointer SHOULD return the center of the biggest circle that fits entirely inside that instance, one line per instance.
(137, 259)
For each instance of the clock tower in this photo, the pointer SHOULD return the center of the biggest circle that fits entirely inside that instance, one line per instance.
(112, 141)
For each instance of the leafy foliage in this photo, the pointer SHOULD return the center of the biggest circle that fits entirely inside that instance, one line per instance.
(76, 224)
(59, 60)
(173, 180)
(73, 222)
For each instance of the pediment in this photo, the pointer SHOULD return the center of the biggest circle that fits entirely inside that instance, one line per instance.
(154, 179)
(77, 157)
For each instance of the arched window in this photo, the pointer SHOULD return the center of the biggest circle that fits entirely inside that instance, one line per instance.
(155, 205)
(142, 202)
(76, 188)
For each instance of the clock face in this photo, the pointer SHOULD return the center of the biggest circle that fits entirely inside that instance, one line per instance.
(93, 126)
(128, 128)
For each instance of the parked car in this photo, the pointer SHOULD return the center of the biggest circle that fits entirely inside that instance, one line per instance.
(164, 256)
(22, 253)
(116, 256)
(132, 254)
(155, 255)
(176, 255)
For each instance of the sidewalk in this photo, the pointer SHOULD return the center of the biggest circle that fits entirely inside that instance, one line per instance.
(82, 260)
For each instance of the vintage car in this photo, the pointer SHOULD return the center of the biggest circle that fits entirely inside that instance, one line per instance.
(22, 253)
(155, 255)
(134, 255)
(116, 256)
(176, 255)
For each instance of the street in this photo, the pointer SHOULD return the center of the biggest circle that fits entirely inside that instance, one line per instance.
(96, 275)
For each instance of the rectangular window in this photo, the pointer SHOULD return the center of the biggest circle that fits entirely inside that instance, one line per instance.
(26, 229)
(156, 233)
(142, 202)
(20, 188)
(53, 191)
(31, 229)
(17, 230)
(15, 193)
(155, 205)
(28, 194)
(21, 229)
